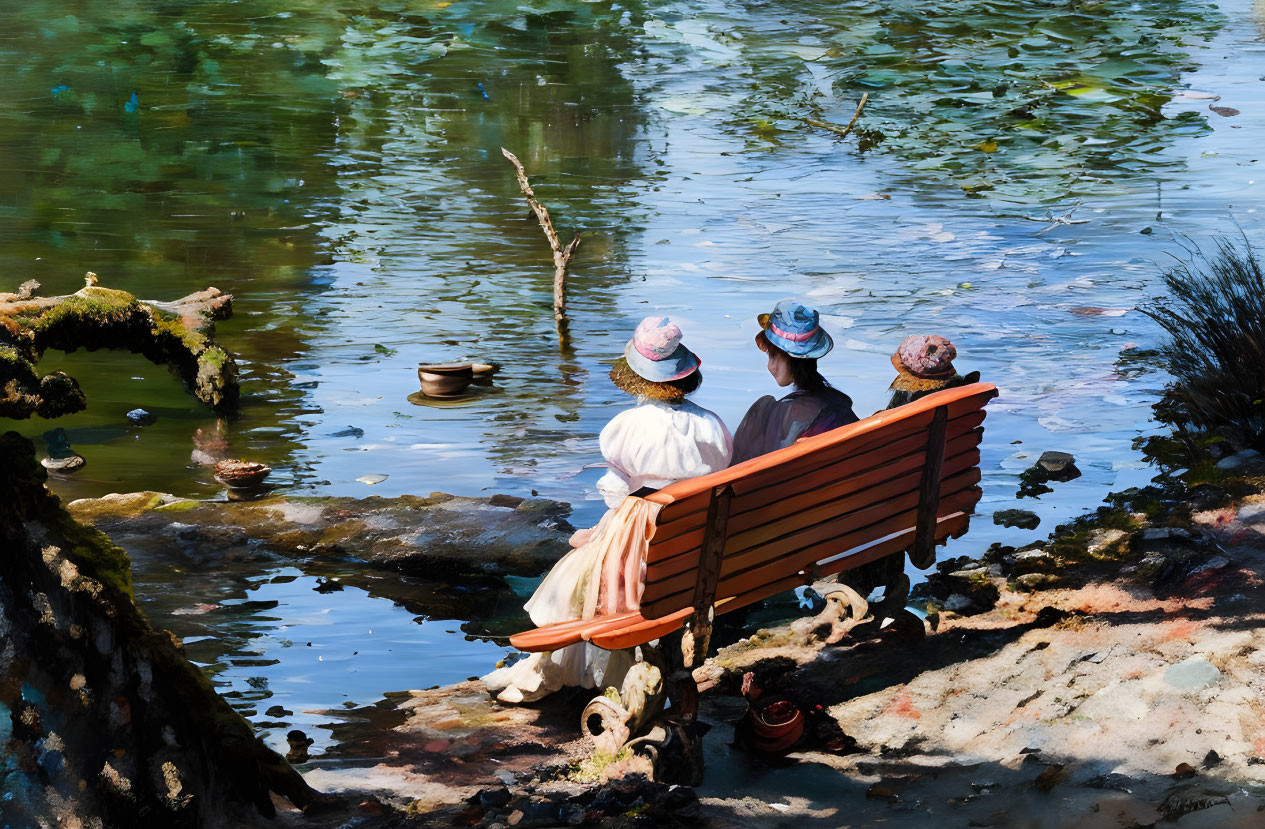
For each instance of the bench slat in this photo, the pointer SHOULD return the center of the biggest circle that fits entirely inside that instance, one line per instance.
(765, 471)
(561, 634)
(829, 447)
(870, 488)
(750, 509)
(797, 550)
(752, 578)
(645, 631)
(870, 492)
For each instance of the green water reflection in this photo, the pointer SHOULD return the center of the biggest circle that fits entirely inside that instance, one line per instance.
(259, 146)
(337, 169)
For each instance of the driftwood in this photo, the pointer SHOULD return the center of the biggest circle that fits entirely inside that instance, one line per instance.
(835, 128)
(561, 254)
(176, 334)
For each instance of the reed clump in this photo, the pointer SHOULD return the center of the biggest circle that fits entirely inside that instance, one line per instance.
(1214, 315)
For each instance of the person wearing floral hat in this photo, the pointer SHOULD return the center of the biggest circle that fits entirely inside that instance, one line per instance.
(924, 364)
(794, 340)
(662, 439)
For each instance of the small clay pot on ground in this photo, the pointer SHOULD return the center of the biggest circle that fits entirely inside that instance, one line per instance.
(776, 724)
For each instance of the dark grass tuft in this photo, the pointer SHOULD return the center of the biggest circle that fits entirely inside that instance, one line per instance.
(1215, 316)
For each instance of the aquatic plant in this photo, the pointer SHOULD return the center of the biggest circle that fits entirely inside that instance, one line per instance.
(1215, 316)
(1014, 101)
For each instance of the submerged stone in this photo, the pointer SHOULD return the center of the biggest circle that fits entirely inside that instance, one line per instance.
(140, 417)
(1020, 518)
(63, 465)
(1057, 462)
(439, 536)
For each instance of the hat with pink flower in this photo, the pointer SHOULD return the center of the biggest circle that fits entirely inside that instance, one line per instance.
(922, 362)
(655, 352)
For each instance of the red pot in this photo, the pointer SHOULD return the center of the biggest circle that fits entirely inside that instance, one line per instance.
(776, 725)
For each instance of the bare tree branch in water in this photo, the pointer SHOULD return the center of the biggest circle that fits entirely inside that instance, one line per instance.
(835, 128)
(561, 255)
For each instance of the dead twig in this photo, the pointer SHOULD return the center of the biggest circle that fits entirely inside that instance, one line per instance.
(1056, 221)
(835, 128)
(561, 255)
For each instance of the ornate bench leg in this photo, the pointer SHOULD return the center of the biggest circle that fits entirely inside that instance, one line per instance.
(612, 719)
(845, 609)
(605, 721)
(694, 643)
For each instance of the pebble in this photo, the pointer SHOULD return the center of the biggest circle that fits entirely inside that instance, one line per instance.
(1021, 518)
(1055, 461)
(1037, 581)
(1238, 459)
(1159, 533)
(494, 798)
(1102, 540)
(1214, 563)
(1252, 514)
(1194, 674)
(1050, 777)
(71, 464)
(140, 417)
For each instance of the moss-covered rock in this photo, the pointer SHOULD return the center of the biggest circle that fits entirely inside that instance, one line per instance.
(113, 726)
(437, 536)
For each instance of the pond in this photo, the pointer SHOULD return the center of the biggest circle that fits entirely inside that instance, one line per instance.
(1021, 174)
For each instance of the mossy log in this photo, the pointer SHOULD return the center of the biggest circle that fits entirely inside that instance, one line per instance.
(176, 334)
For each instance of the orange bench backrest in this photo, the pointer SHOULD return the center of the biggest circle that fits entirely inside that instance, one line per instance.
(799, 508)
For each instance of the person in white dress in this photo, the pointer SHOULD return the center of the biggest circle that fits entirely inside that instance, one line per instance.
(664, 438)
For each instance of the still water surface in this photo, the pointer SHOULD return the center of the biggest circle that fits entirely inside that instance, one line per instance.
(340, 174)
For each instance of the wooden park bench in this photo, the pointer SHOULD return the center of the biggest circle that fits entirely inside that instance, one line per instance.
(902, 480)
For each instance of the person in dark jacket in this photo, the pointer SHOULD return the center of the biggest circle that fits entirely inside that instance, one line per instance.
(793, 339)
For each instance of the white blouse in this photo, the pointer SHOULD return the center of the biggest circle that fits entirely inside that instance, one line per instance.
(654, 444)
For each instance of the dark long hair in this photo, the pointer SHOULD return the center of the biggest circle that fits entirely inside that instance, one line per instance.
(803, 370)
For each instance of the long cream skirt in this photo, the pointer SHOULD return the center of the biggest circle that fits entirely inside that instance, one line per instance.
(600, 577)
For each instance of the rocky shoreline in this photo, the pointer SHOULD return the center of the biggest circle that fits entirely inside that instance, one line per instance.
(1122, 690)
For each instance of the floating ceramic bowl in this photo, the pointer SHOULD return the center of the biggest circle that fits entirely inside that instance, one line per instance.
(238, 474)
(451, 379)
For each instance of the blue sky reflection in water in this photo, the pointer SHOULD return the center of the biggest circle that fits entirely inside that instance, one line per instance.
(284, 642)
(340, 175)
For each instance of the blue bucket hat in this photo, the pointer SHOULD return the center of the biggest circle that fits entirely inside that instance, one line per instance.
(655, 352)
(796, 329)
